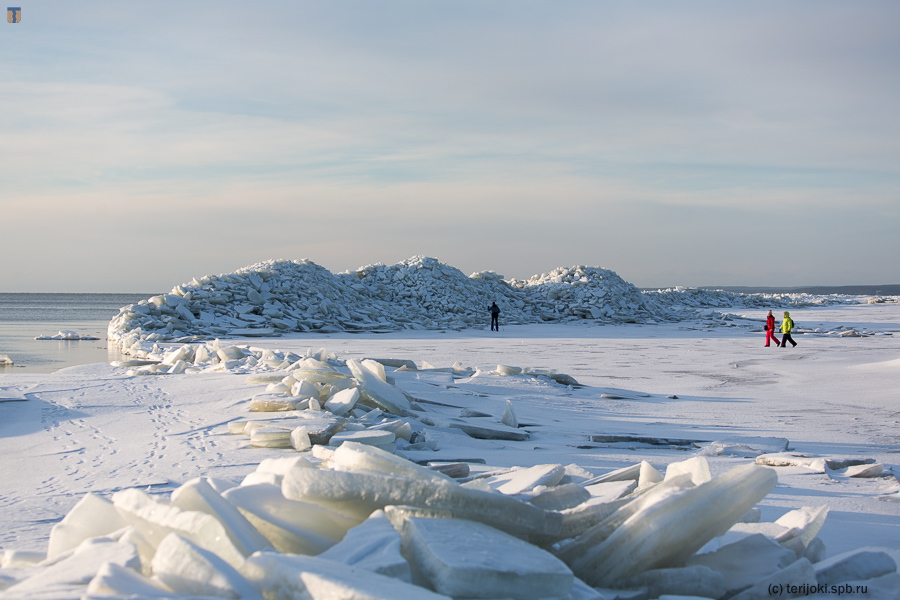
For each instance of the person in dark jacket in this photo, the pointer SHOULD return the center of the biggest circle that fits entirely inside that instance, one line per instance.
(770, 330)
(495, 317)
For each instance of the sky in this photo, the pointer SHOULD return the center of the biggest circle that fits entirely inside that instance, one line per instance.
(677, 143)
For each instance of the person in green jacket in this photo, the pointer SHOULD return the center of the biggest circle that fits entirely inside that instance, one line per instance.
(786, 325)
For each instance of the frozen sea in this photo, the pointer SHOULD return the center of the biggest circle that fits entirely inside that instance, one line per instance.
(93, 428)
(24, 316)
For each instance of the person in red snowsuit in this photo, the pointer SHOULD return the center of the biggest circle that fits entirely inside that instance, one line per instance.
(770, 329)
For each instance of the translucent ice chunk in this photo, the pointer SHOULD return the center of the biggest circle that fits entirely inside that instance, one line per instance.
(509, 417)
(664, 532)
(746, 561)
(198, 495)
(361, 493)
(856, 565)
(696, 582)
(343, 401)
(381, 393)
(283, 576)
(189, 569)
(156, 520)
(807, 522)
(697, 467)
(559, 497)
(291, 526)
(269, 402)
(76, 568)
(116, 580)
(373, 545)
(92, 516)
(270, 437)
(352, 456)
(465, 559)
(300, 438)
(524, 479)
(372, 437)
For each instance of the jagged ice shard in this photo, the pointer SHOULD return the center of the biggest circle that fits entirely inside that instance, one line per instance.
(668, 532)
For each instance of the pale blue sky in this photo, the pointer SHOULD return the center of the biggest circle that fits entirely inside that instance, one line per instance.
(677, 143)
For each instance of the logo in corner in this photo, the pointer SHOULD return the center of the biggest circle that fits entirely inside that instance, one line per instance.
(14, 14)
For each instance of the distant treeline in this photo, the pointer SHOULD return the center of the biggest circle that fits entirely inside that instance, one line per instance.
(888, 289)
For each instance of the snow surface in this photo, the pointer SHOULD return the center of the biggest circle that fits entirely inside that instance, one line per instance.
(660, 393)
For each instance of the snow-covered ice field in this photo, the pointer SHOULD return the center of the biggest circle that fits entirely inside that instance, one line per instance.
(92, 428)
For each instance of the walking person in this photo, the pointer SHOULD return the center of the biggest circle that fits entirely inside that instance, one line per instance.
(770, 330)
(787, 324)
(495, 317)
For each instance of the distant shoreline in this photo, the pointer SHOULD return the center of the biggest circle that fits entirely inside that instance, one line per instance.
(887, 289)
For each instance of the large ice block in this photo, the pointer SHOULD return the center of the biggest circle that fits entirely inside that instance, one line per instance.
(291, 526)
(666, 533)
(156, 520)
(465, 559)
(77, 568)
(573, 550)
(746, 561)
(198, 495)
(92, 516)
(353, 456)
(362, 493)
(312, 578)
(373, 545)
(187, 568)
(118, 581)
(343, 401)
(380, 392)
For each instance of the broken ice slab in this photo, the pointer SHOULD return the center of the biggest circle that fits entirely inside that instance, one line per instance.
(477, 429)
(285, 576)
(91, 517)
(665, 532)
(373, 545)
(188, 569)
(273, 402)
(860, 471)
(792, 459)
(611, 490)
(685, 582)
(624, 474)
(343, 401)
(352, 456)
(746, 561)
(291, 526)
(818, 464)
(798, 573)
(454, 470)
(745, 446)
(464, 559)
(697, 467)
(114, 580)
(802, 524)
(509, 417)
(197, 494)
(382, 394)
(558, 497)
(362, 493)
(271, 437)
(855, 565)
(77, 568)
(156, 520)
(522, 479)
(373, 437)
(395, 363)
(579, 519)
